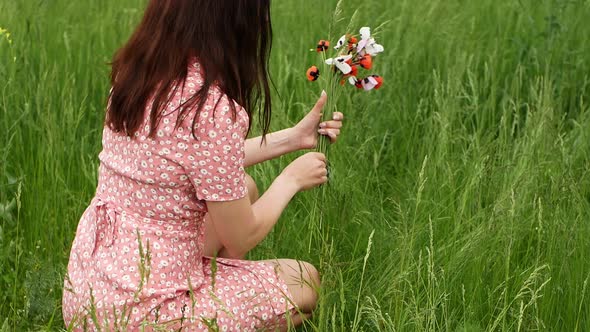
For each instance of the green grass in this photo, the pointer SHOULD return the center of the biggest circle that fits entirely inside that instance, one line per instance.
(471, 165)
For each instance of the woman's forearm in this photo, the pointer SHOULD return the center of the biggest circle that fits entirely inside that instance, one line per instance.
(269, 207)
(241, 231)
(241, 225)
(276, 145)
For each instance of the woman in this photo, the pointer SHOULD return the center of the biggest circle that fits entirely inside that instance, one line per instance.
(172, 190)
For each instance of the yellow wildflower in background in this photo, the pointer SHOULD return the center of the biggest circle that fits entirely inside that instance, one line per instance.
(6, 34)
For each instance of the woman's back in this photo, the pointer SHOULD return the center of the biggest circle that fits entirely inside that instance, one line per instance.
(161, 176)
(139, 246)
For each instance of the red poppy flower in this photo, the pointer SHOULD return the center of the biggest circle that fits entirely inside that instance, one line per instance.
(313, 73)
(322, 46)
(379, 80)
(372, 82)
(353, 72)
(352, 41)
(356, 82)
(366, 61)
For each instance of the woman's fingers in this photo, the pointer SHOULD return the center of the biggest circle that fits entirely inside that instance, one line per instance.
(308, 170)
(321, 171)
(331, 128)
(319, 105)
(331, 133)
(331, 124)
(318, 155)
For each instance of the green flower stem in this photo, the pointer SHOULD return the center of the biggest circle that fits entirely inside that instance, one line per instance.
(329, 81)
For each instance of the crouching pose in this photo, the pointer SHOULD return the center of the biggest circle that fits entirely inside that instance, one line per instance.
(172, 191)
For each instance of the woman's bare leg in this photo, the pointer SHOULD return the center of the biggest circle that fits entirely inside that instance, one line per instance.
(302, 278)
(303, 282)
(212, 244)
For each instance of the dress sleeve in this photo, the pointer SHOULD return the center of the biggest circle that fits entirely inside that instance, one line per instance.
(215, 165)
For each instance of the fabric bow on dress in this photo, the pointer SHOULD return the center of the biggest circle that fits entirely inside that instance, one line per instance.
(105, 223)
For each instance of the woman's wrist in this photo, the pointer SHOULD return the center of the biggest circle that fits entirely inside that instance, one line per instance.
(294, 138)
(298, 141)
(276, 144)
(288, 183)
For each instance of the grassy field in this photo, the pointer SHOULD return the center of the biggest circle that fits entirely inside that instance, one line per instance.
(460, 196)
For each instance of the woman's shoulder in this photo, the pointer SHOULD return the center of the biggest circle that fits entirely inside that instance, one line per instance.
(195, 81)
(218, 110)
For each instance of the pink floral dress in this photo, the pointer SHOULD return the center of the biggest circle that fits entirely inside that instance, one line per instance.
(137, 258)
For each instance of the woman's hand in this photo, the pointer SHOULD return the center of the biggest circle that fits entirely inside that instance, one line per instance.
(307, 129)
(307, 171)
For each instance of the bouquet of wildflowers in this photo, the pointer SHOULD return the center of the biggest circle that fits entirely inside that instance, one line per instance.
(351, 55)
(342, 65)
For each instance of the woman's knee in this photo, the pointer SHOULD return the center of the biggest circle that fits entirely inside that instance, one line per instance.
(311, 274)
(303, 281)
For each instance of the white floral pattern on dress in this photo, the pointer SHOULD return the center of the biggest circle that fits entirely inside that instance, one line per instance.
(137, 258)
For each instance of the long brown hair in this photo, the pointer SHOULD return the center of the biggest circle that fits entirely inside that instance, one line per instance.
(231, 40)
